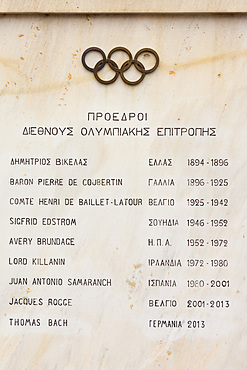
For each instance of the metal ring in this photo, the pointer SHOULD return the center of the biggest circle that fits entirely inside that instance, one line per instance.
(151, 51)
(103, 61)
(132, 83)
(96, 70)
(125, 66)
(120, 48)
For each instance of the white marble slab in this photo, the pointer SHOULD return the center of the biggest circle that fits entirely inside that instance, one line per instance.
(200, 83)
(120, 6)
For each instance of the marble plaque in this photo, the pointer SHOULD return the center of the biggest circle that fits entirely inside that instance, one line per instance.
(123, 208)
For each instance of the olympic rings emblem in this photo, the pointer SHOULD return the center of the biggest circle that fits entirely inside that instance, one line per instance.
(125, 66)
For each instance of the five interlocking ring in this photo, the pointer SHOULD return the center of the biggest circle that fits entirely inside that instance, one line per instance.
(125, 66)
